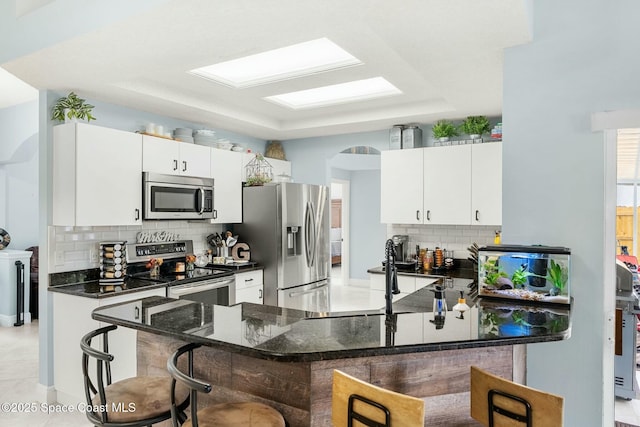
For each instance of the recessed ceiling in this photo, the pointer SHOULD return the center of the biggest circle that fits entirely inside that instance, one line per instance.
(446, 57)
(14, 91)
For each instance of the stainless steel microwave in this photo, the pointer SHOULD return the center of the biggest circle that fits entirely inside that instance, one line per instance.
(176, 197)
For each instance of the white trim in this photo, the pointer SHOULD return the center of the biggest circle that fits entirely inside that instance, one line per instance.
(609, 274)
(9, 320)
(46, 393)
(620, 119)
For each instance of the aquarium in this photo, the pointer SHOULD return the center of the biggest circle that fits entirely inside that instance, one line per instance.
(531, 273)
(502, 319)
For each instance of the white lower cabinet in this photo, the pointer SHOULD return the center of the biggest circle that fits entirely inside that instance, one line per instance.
(249, 287)
(71, 321)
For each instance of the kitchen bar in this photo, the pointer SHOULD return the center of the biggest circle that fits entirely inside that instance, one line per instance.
(284, 357)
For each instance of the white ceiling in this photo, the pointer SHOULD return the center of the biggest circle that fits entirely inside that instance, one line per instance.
(446, 56)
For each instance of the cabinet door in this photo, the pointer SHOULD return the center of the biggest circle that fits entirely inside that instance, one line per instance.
(252, 294)
(280, 167)
(249, 287)
(226, 170)
(108, 176)
(160, 155)
(447, 189)
(195, 160)
(401, 186)
(486, 184)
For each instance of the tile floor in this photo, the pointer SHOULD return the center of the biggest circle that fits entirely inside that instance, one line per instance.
(19, 368)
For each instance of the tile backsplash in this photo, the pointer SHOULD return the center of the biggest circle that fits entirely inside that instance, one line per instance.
(452, 237)
(70, 248)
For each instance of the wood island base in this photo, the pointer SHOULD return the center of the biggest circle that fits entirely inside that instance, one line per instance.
(301, 391)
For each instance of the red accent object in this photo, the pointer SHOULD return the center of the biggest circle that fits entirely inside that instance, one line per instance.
(631, 259)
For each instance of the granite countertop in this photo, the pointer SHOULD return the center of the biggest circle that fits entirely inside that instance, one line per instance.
(462, 272)
(93, 288)
(288, 335)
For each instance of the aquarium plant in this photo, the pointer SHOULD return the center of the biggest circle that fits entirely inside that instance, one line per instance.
(493, 272)
(519, 276)
(558, 276)
(444, 129)
(475, 125)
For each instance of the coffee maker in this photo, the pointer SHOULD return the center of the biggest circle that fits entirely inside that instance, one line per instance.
(401, 244)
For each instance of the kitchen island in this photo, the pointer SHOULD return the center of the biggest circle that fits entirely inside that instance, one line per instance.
(285, 357)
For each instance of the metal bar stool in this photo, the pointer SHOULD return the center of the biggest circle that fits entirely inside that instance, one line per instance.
(132, 402)
(496, 401)
(355, 400)
(246, 414)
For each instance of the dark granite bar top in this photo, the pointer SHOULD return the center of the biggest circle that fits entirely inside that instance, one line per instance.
(288, 335)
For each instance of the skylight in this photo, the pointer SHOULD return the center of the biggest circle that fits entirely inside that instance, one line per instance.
(341, 93)
(301, 59)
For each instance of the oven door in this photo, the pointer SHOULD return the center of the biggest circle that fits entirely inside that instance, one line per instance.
(221, 291)
(176, 197)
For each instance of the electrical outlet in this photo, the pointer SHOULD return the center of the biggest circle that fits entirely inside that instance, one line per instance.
(93, 255)
(59, 258)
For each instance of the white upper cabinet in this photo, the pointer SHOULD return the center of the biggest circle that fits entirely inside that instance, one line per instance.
(447, 189)
(401, 190)
(96, 176)
(226, 170)
(162, 155)
(453, 185)
(486, 183)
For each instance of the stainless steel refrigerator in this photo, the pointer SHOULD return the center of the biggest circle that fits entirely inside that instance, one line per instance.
(287, 228)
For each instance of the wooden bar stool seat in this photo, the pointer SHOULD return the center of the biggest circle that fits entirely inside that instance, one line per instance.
(499, 402)
(236, 414)
(355, 402)
(140, 398)
(131, 402)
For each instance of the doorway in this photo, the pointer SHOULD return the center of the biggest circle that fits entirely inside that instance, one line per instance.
(339, 234)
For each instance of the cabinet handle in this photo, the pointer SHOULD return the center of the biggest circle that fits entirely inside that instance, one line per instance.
(215, 214)
(175, 164)
(184, 166)
(418, 215)
(428, 215)
(248, 280)
(137, 214)
(259, 293)
(477, 213)
(136, 312)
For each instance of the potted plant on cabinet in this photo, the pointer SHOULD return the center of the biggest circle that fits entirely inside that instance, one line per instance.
(443, 130)
(475, 126)
(72, 108)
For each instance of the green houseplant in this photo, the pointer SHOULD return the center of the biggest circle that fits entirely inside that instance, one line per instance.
(72, 107)
(475, 125)
(444, 129)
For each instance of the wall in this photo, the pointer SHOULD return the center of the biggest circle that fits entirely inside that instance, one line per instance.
(577, 64)
(456, 238)
(19, 173)
(71, 246)
(366, 234)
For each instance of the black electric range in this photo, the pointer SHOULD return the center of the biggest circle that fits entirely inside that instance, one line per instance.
(173, 270)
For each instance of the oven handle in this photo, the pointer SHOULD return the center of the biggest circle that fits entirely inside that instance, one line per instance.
(308, 291)
(190, 288)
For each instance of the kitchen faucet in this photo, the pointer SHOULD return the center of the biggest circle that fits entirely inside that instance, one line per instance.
(391, 276)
